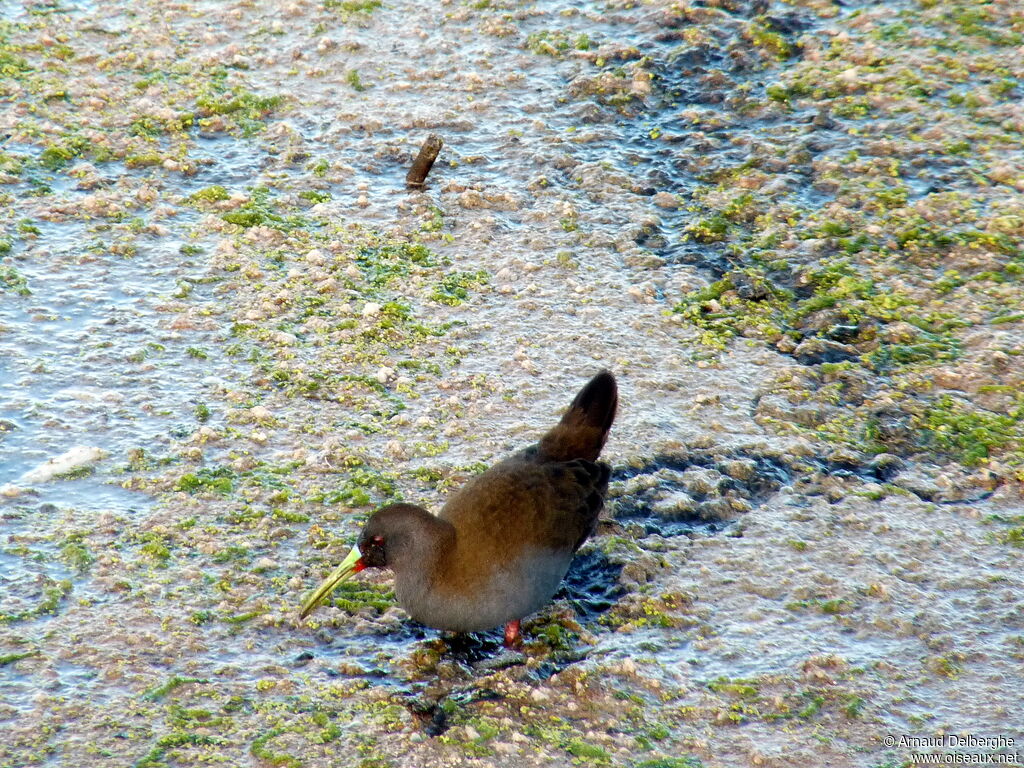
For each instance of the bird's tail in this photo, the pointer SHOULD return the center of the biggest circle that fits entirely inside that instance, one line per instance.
(583, 430)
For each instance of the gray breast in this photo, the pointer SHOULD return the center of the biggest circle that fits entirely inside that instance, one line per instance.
(511, 592)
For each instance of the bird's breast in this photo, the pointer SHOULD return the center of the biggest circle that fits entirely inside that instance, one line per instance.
(487, 597)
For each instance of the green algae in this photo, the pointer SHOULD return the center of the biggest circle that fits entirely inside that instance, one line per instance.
(242, 618)
(354, 597)
(261, 210)
(212, 194)
(11, 64)
(143, 160)
(352, 6)
(56, 156)
(652, 611)
(360, 488)
(557, 42)
(159, 691)
(152, 127)
(354, 80)
(156, 547)
(383, 263)
(949, 665)
(971, 434)
(76, 554)
(13, 281)
(761, 699)
(744, 689)
(831, 607)
(289, 516)
(813, 707)
(1012, 536)
(245, 219)
(721, 313)
(315, 196)
(320, 168)
(453, 289)
(476, 746)
(556, 635)
(771, 42)
(11, 658)
(590, 753)
(854, 705)
(219, 480)
(179, 717)
(924, 347)
(904, 250)
(238, 102)
(166, 744)
(836, 606)
(232, 553)
(53, 593)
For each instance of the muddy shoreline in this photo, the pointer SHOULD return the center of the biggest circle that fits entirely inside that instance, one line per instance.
(794, 230)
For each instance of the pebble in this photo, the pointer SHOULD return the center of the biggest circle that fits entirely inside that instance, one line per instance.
(666, 200)
(260, 413)
(205, 434)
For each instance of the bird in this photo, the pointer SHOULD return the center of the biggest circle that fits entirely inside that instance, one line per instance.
(498, 549)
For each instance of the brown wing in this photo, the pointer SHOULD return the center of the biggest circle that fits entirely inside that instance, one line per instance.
(545, 498)
(523, 504)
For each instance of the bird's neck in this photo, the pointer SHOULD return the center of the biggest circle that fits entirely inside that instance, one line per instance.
(423, 558)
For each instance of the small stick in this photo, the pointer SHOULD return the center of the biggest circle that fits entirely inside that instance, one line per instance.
(424, 161)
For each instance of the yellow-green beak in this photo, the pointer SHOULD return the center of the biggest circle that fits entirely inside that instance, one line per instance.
(352, 564)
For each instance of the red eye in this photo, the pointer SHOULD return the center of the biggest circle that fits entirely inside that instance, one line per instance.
(378, 540)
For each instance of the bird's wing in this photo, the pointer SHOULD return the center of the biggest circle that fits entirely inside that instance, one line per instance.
(578, 489)
(527, 502)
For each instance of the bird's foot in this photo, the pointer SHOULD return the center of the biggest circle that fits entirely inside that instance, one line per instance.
(513, 637)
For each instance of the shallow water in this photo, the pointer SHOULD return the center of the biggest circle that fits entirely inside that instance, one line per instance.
(735, 548)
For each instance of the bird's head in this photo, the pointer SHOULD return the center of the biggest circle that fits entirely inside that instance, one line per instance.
(389, 534)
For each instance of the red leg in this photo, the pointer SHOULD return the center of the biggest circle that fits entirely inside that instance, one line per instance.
(512, 637)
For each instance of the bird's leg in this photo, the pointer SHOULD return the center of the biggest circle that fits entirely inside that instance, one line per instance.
(512, 637)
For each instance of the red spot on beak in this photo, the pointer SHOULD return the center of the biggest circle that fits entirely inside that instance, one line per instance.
(359, 566)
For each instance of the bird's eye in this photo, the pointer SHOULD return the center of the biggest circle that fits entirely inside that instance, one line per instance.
(378, 540)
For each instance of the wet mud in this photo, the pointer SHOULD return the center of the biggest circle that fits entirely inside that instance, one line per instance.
(228, 331)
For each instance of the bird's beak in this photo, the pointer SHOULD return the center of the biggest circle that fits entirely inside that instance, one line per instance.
(353, 563)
